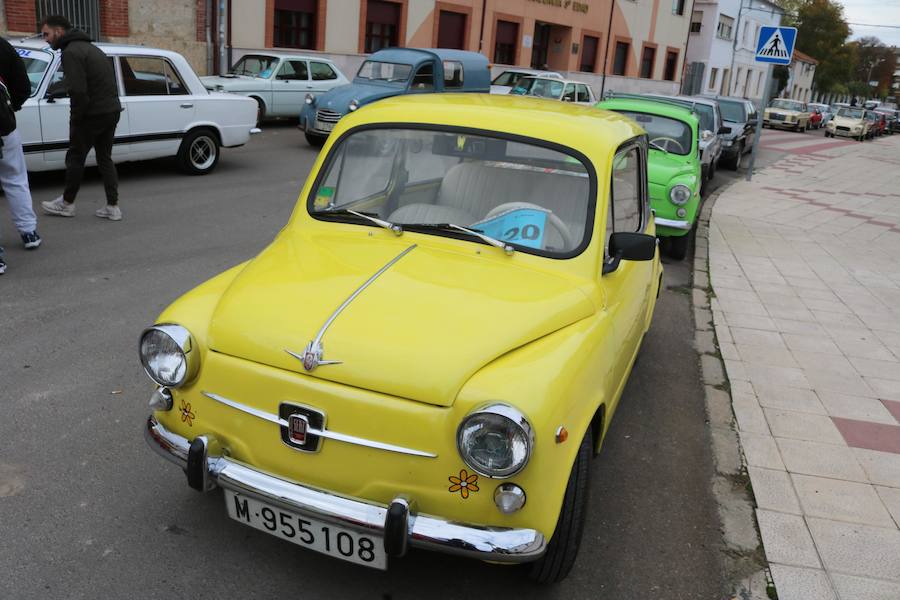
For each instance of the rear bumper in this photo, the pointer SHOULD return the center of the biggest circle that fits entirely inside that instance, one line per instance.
(207, 467)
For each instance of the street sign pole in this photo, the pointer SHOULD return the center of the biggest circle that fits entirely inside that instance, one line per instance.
(759, 122)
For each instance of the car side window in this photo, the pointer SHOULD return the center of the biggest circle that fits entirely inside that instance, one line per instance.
(321, 71)
(424, 78)
(57, 86)
(569, 94)
(150, 76)
(293, 70)
(453, 74)
(625, 203)
(582, 94)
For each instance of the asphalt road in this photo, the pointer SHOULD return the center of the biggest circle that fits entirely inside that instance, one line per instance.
(87, 511)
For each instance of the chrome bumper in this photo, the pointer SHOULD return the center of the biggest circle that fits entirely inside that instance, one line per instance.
(423, 531)
(685, 225)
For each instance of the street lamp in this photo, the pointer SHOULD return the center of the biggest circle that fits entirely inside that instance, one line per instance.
(872, 66)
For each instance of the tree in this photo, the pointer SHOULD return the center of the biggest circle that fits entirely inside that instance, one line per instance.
(874, 62)
(823, 34)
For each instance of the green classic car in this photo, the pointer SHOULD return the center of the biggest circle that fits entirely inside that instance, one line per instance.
(673, 164)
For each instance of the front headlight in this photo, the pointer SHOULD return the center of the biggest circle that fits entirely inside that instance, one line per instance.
(310, 99)
(354, 104)
(680, 194)
(168, 355)
(495, 441)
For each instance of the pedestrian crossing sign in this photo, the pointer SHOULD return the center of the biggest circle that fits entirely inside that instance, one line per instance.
(776, 45)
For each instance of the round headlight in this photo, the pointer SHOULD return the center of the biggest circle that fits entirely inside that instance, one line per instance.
(680, 194)
(495, 441)
(310, 99)
(168, 355)
(354, 104)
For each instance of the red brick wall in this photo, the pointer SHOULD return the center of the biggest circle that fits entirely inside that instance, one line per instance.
(21, 16)
(201, 20)
(114, 18)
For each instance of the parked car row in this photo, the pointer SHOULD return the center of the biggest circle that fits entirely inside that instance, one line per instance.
(862, 124)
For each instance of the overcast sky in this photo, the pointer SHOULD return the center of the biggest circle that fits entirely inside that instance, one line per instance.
(880, 12)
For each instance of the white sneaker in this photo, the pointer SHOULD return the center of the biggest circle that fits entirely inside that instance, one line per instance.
(113, 213)
(58, 207)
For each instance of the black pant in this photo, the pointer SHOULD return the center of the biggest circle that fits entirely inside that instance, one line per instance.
(97, 132)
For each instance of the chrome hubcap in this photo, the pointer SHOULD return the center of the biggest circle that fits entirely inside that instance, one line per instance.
(203, 153)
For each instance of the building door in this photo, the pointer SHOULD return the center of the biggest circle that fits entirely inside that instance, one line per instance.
(540, 45)
(452, 30)
(506, 43)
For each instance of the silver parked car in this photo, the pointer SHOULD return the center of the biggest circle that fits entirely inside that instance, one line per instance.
(712, 130)
(278, 82)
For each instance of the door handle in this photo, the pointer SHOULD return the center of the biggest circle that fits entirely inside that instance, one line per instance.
(187, 105)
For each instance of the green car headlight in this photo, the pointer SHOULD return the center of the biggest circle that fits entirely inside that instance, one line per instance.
(680, 194)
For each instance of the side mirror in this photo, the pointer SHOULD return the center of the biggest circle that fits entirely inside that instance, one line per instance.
(724, 130)
(627, 245)
(706, 135)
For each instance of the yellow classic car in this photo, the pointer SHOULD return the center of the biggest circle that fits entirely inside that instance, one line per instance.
(791, 114)
(431, 350)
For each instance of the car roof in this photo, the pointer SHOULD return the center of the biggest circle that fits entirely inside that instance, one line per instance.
(560, 79)
(584, 128)
(107, 48)
(664, 109)
(534, 73)
(288, 55)
(416, 55)
(717, 98)
(697, 99)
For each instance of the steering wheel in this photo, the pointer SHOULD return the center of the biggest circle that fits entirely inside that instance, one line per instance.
(666, 141)
(555, 221)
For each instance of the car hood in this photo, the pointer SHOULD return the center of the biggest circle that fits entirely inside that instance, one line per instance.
(662, 167)
(338, 98)
(847, 121)
(234, 83)
(784, 111)
(734, 129)
(419, 331)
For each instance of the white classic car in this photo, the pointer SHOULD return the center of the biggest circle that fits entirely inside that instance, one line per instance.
(166, 111)
(564, 90)
(279, 83)
(507, 80)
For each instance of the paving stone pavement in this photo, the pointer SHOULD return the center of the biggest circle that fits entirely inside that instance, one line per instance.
(804, 263)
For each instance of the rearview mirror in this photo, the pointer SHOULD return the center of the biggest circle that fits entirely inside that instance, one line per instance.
(628, 245)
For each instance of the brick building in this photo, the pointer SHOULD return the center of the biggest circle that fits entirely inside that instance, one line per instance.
(179, 25)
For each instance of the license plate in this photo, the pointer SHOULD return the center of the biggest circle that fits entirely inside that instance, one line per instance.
(323, 126)
(333, 540)
(777, 117)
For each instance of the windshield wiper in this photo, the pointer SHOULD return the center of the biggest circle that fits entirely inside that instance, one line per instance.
(658, 147)
(393, 227)
(474, 232)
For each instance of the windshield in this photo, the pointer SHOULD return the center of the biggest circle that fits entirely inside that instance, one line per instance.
(523, 193)
(384, 71)
(735, 112)
(36, 63)
(667, 134)
(255, 66)
(787, 105)
(850, 113)
(539, 86)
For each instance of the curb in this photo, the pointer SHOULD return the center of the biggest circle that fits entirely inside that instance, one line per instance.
(746, 567)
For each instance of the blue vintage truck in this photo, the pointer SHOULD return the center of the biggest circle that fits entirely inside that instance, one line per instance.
(392, 72)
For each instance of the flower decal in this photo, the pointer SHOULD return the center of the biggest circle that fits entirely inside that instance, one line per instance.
(463, 484)
(187, 415)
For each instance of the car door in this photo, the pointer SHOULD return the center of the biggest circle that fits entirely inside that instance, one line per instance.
(289, 87)
(322, 77)
(54, 109)
(423, 80)
(158, 104)
(628, 286)
(568, 94)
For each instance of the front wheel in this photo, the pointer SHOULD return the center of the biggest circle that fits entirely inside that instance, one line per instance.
(316, 141)
(559, 558)
(678, 247)
(199, 152)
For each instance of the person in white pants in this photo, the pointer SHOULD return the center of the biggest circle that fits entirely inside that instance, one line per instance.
(13, 177)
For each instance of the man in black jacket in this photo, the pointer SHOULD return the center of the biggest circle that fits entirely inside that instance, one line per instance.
(13, 176)
(90, 80)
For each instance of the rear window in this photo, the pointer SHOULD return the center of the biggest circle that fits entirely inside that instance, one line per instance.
(669, 135)
(733, 111)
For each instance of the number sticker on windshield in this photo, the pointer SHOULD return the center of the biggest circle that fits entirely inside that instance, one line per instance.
(523, 226)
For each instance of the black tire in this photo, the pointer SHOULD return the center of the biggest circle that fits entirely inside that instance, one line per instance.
(316, 141)
(735, 163)
(678, 246)
(260, 112)
(199, 152)
(562, 550)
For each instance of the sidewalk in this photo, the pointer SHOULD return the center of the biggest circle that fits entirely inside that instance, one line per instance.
(805, 267)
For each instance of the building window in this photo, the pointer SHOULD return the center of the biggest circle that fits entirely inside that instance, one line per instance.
(671, 65)
(648, 57)
(505, 44)
(726, 24)
(382, 25)
(713, 75)
(726, 81)
(696, 21)
(677, 7)
(451, 30)
(621, 59)
(737, 80)
(589, 47)
(295, 24)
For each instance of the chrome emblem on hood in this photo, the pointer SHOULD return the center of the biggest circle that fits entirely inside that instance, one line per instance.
(312, 354)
